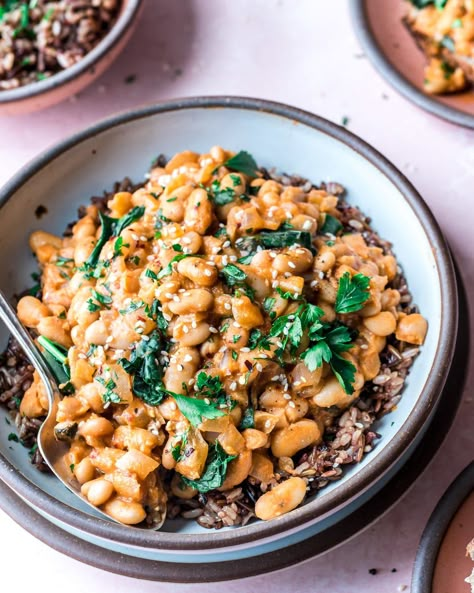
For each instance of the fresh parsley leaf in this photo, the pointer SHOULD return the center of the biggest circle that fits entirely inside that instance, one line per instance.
(268, 305)
(215, 471)
(331, 226)
(13, 437)
(243, 162)
(246, 260)
(196, 409)
(151, 274)
(91, 306)
(344, 371)
(254, 338)
(352, 293)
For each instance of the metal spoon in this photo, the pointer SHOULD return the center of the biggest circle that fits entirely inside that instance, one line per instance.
(52, 450)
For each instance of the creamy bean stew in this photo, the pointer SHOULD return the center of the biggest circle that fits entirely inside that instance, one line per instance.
(210, 330)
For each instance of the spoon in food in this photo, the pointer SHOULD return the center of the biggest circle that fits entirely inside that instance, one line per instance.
(52, 449)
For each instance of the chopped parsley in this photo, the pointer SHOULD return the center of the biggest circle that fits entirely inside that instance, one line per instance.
(109, 396)
(243, 162)
(248, 419)
(352, 293)
(196, 409)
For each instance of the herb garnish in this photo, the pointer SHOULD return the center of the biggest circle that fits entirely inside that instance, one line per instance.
(146, 370)
(56, 359)
(331, 225)
(109, 396)
(352, 293)
(215, 471)
(196, 409)
(243, 162)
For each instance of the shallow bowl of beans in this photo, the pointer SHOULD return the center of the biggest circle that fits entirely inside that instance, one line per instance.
(51, 50)
(251, 315)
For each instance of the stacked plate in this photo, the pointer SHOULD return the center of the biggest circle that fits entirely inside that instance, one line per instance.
(294, 141)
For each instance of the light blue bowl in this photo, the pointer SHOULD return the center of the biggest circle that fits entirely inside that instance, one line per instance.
(293, 141)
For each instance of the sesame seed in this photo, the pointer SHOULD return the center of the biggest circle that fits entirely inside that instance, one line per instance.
(176, 298)
(208, 273)
(232, 258)
(272, 254)
(185, 329)
(268, 423)
(135, 237)
(245, 349)
(233, 386)
(227, 306)
(307, 224)
(143, 238)
(274, 274)
(188, 358)
(364, 346)
(286, 396)
(173, 406)
(207, 400)
(259, 367)
(213, 330)
(193, 324)
(242, 380)
(145, 338)
(321, 275)
(292, 404)
(82, 355)
(235, 324)
(150, 257)
(225, 260)
(180, 368)
(291, 265)
(226, 244)
(109, 339)
(167, 317)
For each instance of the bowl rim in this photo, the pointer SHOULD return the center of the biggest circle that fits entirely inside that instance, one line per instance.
(88, 62)
(375, 468)
(363, 30)
(435, 531)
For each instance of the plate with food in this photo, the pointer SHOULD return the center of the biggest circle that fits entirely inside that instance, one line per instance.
(235, 327)
(50, 50)
(425, 49)
(445, 557)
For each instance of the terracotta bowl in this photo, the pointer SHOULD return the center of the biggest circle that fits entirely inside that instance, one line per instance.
(293, 141)
(44, 93)
(395, 55)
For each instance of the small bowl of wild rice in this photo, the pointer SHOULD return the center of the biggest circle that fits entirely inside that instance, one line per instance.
(272, 188)
(51, 49)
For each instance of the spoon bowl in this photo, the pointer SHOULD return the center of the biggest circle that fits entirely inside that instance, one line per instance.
(52, 450)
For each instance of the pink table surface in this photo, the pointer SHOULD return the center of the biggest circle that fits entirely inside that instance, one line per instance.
(303, 53)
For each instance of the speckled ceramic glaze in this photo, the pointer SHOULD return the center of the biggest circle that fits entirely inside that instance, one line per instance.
(397, 58)
(293, 141)
(62, 85)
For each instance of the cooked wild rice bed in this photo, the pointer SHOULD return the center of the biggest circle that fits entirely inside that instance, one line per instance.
(175, 461)
(39, 38)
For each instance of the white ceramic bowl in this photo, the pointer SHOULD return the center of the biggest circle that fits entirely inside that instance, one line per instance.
(293, 141)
